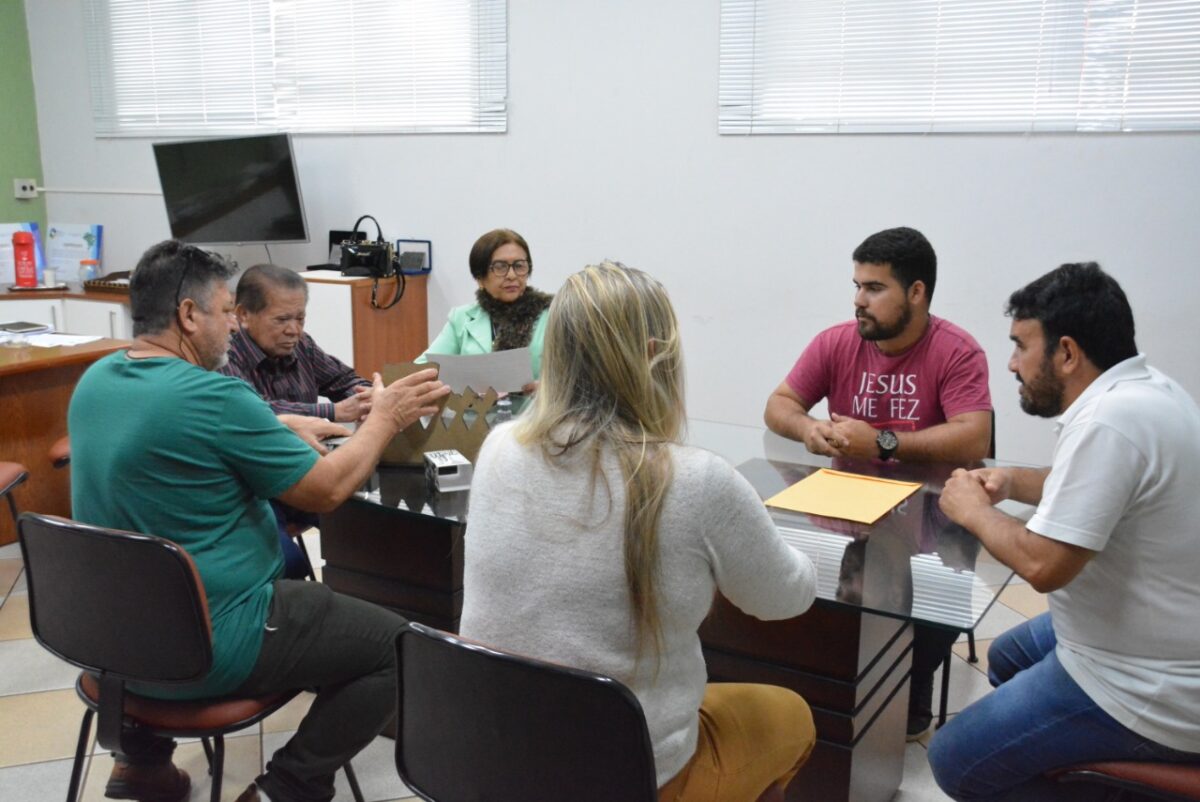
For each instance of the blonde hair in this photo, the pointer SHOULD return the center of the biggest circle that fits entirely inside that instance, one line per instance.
(612, 378)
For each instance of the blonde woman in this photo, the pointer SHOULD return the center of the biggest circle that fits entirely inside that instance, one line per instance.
(597, 540)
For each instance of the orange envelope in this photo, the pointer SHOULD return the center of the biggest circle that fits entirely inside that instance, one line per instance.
(849, 496)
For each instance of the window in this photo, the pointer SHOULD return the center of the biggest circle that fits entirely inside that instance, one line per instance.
(832, 66)
(188, 67)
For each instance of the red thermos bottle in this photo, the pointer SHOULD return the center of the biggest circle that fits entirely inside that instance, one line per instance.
(23, 259)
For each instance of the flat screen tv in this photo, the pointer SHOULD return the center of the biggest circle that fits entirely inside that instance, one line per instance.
(232, 191)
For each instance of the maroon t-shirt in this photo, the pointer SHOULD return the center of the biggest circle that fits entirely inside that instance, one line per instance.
(942, 375)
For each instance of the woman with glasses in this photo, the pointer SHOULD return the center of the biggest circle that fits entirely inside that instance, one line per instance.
(507, 312)
(597, 540)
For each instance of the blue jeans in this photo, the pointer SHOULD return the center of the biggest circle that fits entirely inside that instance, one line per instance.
(1037, 719)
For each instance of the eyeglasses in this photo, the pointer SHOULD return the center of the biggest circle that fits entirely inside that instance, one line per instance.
(500, 269)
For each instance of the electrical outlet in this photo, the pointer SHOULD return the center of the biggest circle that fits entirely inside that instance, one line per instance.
(24, 188)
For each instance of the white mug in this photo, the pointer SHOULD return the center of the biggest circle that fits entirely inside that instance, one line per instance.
(50, 277)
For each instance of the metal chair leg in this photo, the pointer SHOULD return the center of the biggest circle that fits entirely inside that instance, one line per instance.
(971, 656)
(945, 690)
(208, 753)
(218, 767)
(352, 778)
(85, 732)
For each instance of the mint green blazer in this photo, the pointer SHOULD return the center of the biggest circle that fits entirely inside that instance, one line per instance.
(468, 330)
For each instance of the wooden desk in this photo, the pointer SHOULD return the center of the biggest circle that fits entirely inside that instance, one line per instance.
(35, 389)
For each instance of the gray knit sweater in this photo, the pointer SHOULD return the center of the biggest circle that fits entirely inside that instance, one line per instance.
(544, 573)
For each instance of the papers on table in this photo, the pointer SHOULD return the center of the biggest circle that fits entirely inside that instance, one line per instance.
(53, 340)
(505, 371)
(848, 496)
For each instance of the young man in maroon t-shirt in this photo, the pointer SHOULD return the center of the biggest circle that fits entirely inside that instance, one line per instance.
(901, 384)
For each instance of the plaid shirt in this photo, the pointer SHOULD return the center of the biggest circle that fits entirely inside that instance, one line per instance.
(291, 384)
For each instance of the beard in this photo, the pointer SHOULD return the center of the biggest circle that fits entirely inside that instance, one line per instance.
(1042, 395)
(869, 328)
(214, 359)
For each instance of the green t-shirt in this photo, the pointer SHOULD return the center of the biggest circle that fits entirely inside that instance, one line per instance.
(163, 447)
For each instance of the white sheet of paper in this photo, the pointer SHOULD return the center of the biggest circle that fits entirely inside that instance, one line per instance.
(52, 340)
(506, 371)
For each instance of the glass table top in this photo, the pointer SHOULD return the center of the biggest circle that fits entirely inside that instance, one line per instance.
(913, 563)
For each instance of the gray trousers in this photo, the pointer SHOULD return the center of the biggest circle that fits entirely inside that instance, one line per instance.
(315, 638)
(344, 647)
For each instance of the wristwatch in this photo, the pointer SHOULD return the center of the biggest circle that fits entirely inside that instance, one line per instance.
(887, 442)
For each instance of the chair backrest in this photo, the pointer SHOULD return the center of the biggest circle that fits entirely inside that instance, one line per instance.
(476, 723)
(119, 603)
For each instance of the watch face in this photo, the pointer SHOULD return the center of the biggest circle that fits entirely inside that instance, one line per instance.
(887, 440)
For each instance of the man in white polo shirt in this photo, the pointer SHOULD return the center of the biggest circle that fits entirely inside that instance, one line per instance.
(1112, 671)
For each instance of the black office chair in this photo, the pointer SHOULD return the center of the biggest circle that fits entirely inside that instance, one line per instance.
(127, 607)
(475, 723)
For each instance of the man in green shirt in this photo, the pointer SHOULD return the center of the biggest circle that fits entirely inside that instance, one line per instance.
(165, 445)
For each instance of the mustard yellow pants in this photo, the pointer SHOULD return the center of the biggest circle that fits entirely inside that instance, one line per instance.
(752, 738)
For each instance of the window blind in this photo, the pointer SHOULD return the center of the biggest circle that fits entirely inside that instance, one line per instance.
(831, 66)
(188, 67)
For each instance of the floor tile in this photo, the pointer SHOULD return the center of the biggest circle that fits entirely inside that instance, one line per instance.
(9, 571)
(14, 617)
(375, 768)
(966, 686)
(35, 782)
(287, 718)
(10, 551)
(918, 784)
(243, 762)
(981, 649)
(29, 668)
(999, 619)
(38, 727)
(21, 585)
(992, 573)
(1025, 600)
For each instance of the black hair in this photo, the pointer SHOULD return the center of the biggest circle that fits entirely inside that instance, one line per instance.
(166, 274)
(907, 251)
(254, 286)
(1084, 303)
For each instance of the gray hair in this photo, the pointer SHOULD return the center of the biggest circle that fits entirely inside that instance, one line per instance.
(253, 289)
(168, 273)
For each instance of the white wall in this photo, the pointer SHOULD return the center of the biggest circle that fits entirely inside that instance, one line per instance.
(612, 150)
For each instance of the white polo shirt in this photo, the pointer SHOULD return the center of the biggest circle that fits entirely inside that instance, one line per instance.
(1125, 482)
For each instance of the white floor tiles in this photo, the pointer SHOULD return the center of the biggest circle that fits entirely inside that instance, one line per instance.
(999, 619)
(28, 668)
(375, 768)
(35, 782)
(918, 784)
(40, 717)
